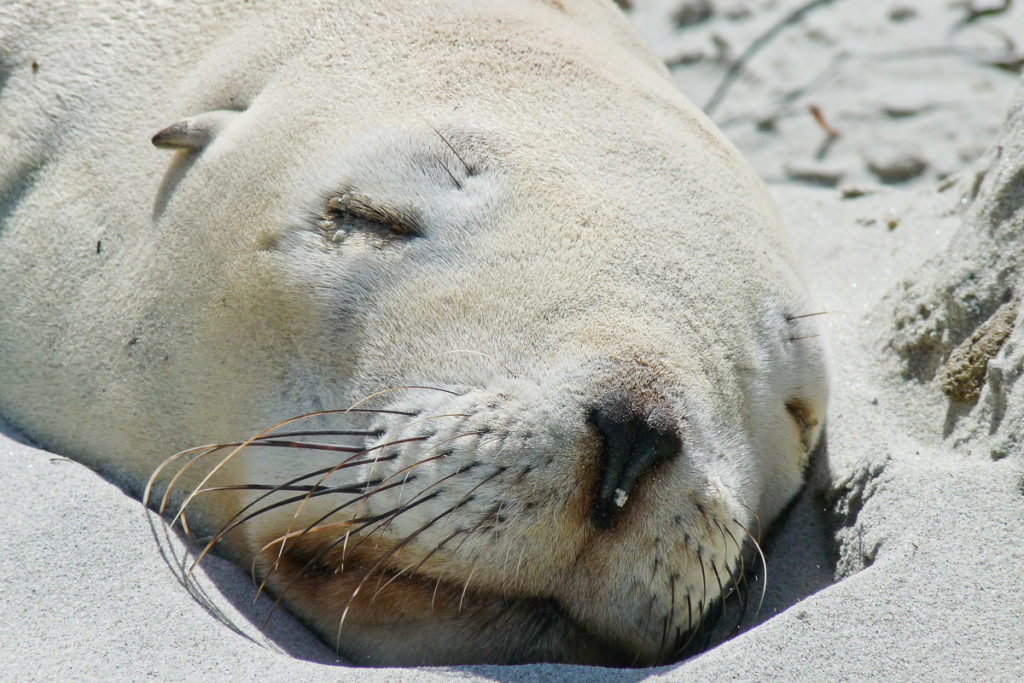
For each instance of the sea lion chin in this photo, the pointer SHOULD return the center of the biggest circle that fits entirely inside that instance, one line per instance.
(499, 346)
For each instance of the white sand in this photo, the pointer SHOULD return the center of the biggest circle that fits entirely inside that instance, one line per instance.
(901, 561)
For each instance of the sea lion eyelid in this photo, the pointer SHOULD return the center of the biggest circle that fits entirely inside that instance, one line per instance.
(358, 206)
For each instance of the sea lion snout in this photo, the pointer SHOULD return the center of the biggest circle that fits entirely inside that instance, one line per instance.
(631, 446)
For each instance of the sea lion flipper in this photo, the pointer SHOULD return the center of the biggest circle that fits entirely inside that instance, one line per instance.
(195, 132)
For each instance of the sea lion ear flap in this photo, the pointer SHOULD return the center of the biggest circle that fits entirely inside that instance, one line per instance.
(195, 132)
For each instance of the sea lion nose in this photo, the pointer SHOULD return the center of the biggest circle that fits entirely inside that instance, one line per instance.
(631, 446)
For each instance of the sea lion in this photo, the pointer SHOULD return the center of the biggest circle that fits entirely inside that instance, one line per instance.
(565, 361)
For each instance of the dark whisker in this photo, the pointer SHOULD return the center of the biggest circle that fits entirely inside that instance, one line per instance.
(408, 468)
(329, 432)
(415, 567)
(490, 514)
(791, 318)
(314, 489)
(323, 551)
(721, 591)
(324, 473)
(277, 443)
(408, 539)
(469, 169)
(354, 488)
(315, 524)
(739, 550)
(671, 615)
(450, 174)
(461, 470)
(691, 629)
(380, 487)
(701, 604)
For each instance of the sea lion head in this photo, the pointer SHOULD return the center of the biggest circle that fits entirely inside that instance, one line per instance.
(560, 326)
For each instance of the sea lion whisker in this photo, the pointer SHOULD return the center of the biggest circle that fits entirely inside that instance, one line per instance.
(384, 520)
(447, 170)
(185, 528)
(691, 629)
(398, 388)
(655, 565)
(736, 573)
(206, 450)
(279, 443)
(344, 463)
(328, 432)
(314, 525)
(519, 563)
(483, 518)
(281, 503)
(446, 141)
(701, 605)
(433, 596)
(791, 318)
(757, 519)
(156, 473)
(213, 448)
(348, 524)
(345, 524)
(307, 488)
(671, 614)
(377, 532)
(721, 590)
(689, 620)
(237, 519)
(432, 458)
(405, 541)
(465, 587)
(459, 470)
(243, 446)
(764, 564)
(239, 445)
(233, 522)
(415, 566)
(178, 474)
(391, 551)
(704, 583)
(739, 550)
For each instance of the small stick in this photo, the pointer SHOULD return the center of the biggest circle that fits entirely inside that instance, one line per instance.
(820, 118)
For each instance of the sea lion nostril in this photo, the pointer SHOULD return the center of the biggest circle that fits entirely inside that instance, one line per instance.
(630, 447)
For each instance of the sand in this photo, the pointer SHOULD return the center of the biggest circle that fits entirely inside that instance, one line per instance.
(901, 560)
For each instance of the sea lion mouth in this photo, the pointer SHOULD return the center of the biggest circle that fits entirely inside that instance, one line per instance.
(375, 609)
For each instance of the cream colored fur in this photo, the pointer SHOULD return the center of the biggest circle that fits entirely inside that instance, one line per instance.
(587, 234)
